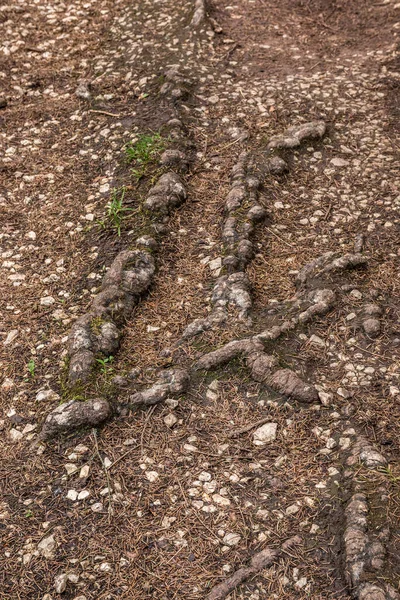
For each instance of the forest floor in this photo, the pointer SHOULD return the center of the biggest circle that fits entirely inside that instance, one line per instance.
(167, 501)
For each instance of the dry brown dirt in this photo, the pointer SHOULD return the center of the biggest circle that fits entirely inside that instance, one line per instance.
(169, 500)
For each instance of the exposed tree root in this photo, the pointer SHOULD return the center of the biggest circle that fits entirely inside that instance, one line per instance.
(260, 561)
(295, 136)
(233, 290)
(97, 331)
(330, 262)
(73, 415)
(364, 542)
(172, 382)
(199, 14)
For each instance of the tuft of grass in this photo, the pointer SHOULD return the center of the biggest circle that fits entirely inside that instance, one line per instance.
(116, 211)
(105, 365)
(31, 367)
(143, 151)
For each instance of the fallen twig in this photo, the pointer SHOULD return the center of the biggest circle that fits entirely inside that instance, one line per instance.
(104, 112)
(248, 427)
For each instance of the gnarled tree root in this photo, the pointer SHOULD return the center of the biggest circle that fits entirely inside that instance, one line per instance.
(233, 290)
(260, 561)
(199, 14)
(73, 415)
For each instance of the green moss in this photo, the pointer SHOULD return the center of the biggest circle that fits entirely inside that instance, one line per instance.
(95, 325)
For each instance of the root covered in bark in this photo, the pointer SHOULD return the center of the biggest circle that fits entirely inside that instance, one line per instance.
(260, 561)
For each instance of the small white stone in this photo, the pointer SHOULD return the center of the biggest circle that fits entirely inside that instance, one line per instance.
(325, 398)
(70, 468)
(339, 162)
(15, 435)
(152, 475)
(220, 500)
(301, 582)
(214, 385)
(314, 528)
(215, 264)
(29, 427)
(209, 508)
(172, 403)
(167, 522)
(97, 507)
(265, 434)
(7, 384)
(212, 396)
(10, 337)
(47, 546)
(356, 294)
(72, 495)
(47, 301)
(317, 341)
(84, 472)
(31, 235)
(60, 583)
(204, 476)
(189, 448)
(231, 539)
(344, 443)
(47, 395)
(292, 510)
(83, 494)
(105, 567)
(344, 393)
(210, 486)
(170, 420)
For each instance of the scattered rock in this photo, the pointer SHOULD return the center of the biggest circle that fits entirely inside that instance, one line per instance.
(339, 162)
(170, 420)
(231, 539)
(47, 396)
(83, 90)
(265, 434)
(60, 583)
(11, 336)
(47, 547)
(276, 165)
(372, 327)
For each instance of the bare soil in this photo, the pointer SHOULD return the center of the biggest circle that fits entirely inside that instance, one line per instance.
(159, 501)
